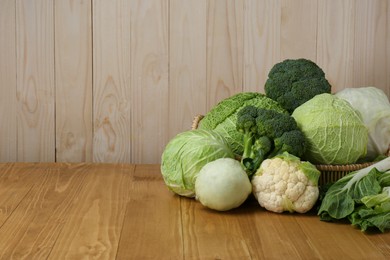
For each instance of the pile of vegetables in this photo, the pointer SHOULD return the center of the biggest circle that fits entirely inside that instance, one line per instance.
(268, 145)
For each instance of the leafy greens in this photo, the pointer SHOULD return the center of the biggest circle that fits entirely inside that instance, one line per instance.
(362, 197)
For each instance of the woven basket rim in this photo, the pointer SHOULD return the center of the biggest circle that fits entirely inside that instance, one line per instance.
(320, 167)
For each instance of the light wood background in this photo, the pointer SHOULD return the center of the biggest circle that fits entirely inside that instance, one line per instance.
(113, 81)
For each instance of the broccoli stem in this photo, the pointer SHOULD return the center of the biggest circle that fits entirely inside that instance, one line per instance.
(248, 142)
(255, 154)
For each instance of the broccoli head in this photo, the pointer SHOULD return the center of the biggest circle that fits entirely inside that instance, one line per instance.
(267, 133)
(293, 82)
(273, 124)
(292, 142)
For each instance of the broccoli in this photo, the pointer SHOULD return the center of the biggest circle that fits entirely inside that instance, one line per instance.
(293, 82)
(267, 133)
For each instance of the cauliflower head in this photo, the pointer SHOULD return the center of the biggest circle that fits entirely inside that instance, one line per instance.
(285, 183)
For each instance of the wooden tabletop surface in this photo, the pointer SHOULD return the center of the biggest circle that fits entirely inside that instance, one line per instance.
(106, 211)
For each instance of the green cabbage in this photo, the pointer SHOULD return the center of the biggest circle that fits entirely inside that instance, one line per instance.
(335, 132)
(186, 154)
(374, 106)
(222, 117)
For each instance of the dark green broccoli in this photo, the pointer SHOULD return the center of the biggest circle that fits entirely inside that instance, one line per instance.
(273, 124)
(267, 133)
(293, 82)
(290, 142)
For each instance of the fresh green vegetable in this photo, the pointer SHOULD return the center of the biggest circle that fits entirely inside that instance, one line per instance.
(186, 154)
(267, 133)
(285, 183)
(334, 131)
(222, 185)
(293, 82)
(222, 117)
(362, 197)
(374, 106)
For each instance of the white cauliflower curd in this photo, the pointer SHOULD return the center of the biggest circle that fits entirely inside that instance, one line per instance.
(285, 183)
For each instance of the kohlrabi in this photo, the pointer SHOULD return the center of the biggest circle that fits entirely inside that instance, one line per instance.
(222, 185)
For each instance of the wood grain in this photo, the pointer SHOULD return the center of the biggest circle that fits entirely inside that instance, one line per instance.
(213, 235)
(114, 81)
(224, 49)
(111, 81)
(298, 29)
(152, 225)
(187, 59)
(15, 183)
(8, 137)
(95, 218)
(371, 23)
(149, 79)
(123, 211)
(35, 80)
(73, 74)
(32, 229)
(336, 41)
(261, 42)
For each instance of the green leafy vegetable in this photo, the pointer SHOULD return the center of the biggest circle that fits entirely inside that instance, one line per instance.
(223, 116)
(186, 154)
(362, 197)
(334, 131)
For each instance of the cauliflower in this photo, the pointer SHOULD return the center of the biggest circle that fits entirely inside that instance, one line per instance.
(285, 183)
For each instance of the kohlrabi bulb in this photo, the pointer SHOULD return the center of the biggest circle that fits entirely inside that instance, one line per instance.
(222, 184)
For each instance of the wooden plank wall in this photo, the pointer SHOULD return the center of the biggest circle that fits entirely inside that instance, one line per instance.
(113, 81)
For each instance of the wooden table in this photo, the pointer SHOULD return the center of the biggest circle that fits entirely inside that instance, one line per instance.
(104, 211)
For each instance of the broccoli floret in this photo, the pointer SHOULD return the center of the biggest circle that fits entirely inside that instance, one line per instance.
(267, 133)
(273, 124)
(292, 142)
(292, 82)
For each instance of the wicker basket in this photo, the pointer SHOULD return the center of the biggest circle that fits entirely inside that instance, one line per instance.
(329, 173)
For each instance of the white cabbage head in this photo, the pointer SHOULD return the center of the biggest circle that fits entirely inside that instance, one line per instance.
(374, 106)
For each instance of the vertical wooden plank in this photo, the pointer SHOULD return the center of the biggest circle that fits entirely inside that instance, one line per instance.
(149, 79)
(298, 29)
(111, 75)
(35, 80)
(371, 64)
(261, 42)
(187, 59)
(224, 49)
(73, 60)
(336, 41)
(8, 150)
